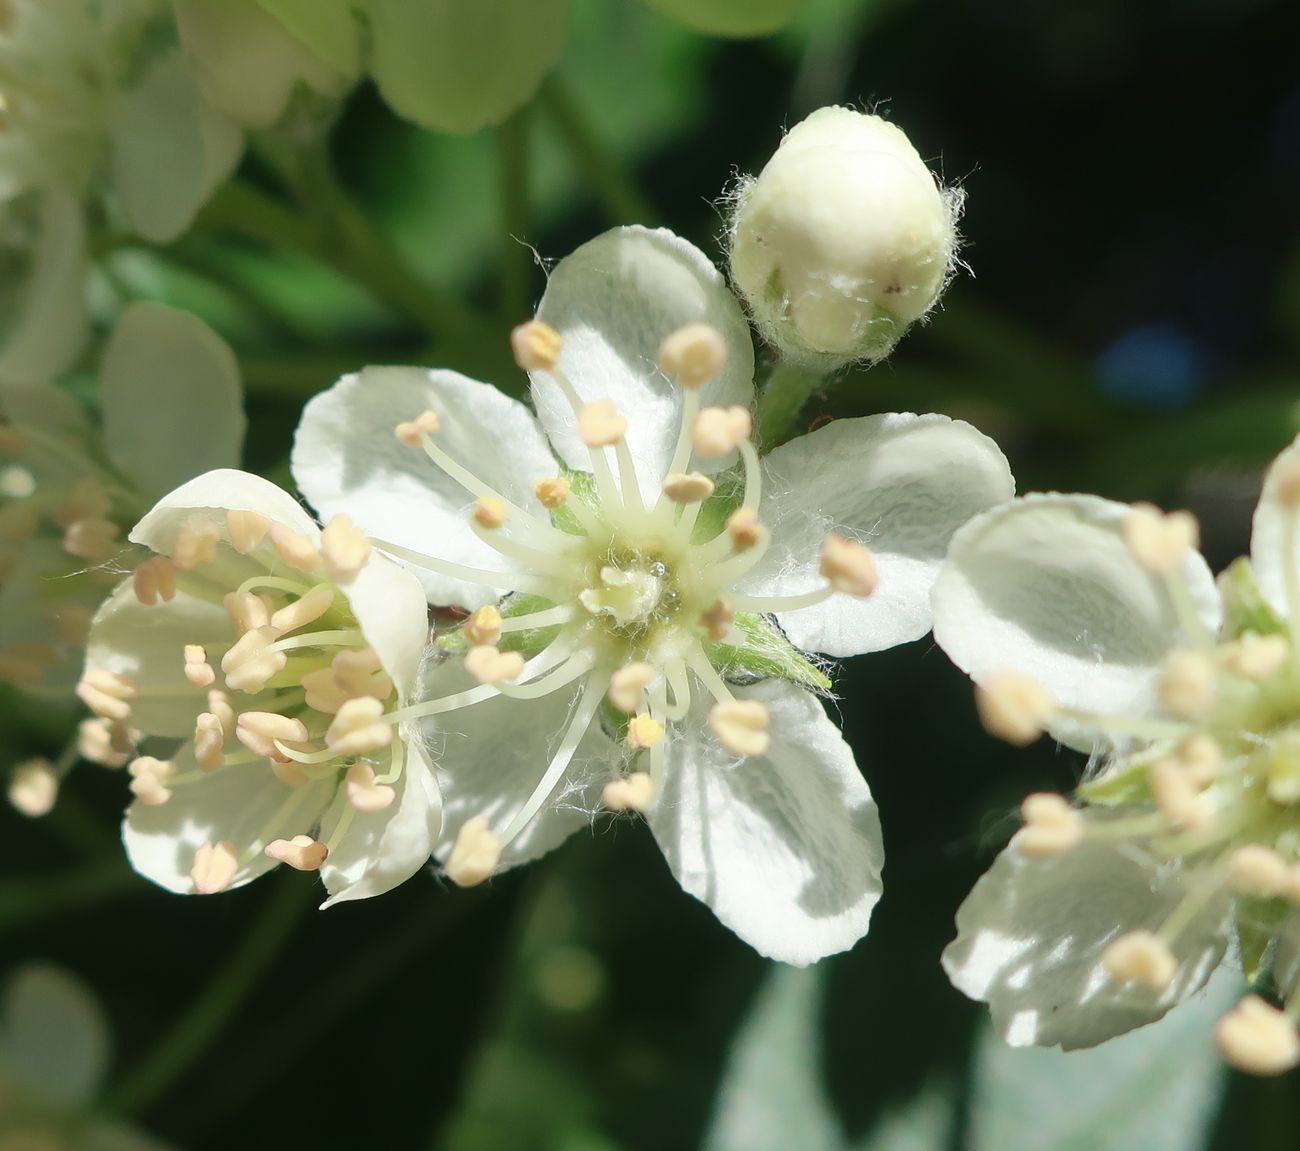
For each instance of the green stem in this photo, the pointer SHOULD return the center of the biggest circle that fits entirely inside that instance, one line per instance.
(516, 262)
(787, 390)
(218, 1004)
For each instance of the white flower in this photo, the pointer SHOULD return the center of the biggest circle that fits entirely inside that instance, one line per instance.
(1100, 623)
(54, 1053)
(633, 589)
(261, 655)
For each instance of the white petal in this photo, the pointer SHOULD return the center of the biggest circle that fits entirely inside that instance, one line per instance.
(1045, 586)
(235, 804)
(384, 848)
(53, 1037)
(389, 604)
(900, 483)
(786, 847)
(173, 406)
(1031, 933)
(613, 301)
(346, 459)
(1269, 554)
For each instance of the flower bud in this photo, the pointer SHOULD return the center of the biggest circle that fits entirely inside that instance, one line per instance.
(843, 240)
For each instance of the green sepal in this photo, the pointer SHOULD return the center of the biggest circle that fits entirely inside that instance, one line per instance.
(1244, 606)
(530, 642)
(764, 654)
(582, 486)
(1258, 922)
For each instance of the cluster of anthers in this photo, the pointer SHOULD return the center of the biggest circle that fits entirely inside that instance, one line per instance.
(1211, 784)
(625, 592)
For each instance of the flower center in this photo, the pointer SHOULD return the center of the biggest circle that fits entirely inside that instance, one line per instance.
(632, 592)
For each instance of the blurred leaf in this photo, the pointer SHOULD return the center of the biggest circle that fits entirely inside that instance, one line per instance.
(327, 27)
(730, 17)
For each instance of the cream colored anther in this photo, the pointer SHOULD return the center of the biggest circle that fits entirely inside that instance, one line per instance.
(91, 540)
(717, 431)
(716, 620)
(215, 867)
(345, 548)
(246, 529)
(107, 694)
(601, 425)
(296, 549)
(33, 788)
(149, 778)
(643, 732)
(219, 705)
(363, 793)
(247, 611)
(489, 665)
(630, 793)
(412, 432)
(552, 493)
(1052, 826)
(745, 530)
(687, 488)
(195, 544)
(154, 580)
(1159, 542)
(1256, 657)
(489, 512)
(198, 671)
(475, 854)
(249, 664)
(361, 672)
(1254, 869)
(358, 728)
(1140, 957)
(848, 566)
(307, 608)
(1201, 758)
(741, 726)
(536, 346)
(1178, 798)
(259, 730)
(693, 355)
(209, 739)
(483, 628)
(302, 853)
(627, 686)
(1014, 707)
(1187, 685)
(1257, 1038)
(104, 741)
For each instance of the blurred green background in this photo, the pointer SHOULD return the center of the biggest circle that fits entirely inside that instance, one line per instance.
(1131, 327)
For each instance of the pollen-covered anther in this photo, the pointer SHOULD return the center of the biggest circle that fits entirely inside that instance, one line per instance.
(1201, 758)
(601, 425)
(718, 431)
(1178, 798)
(295, 548)
(154, 580)
(552, 493)
(716, 620)
(358, 728)
(848, 566)
(259, 730)
(249, 664)
(195, 544)
(632, 792)
(215, 867)
(627, 686)
(149, 777)
(91, 540)
(104, 741)
(693, 355)
(1140, 957)
(344, 546)
(364, 793)
(1187, 685)
(305, 609)
(1257, 1038)
(33, 788)
(687, 488)
(483, 628)
(487, 664)
(643, 732)
(107, 694)
(741, 726)
(1255, 657)
(1159, 541)
(1052, 826)
(745, 530)
(197, 669)
(1014, 707)
(246, 529)
(536, 346)
(475, 854)
(489, 512)
(1254, 869)
(302, 853)
(412, 432)
(209, 739)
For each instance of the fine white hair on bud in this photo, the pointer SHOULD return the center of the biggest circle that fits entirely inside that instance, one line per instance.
(843, 240)
(1140, 957)
(1014, 707)
(475, 854)
(693, 355)
(1052, 826)
(1257, 1038)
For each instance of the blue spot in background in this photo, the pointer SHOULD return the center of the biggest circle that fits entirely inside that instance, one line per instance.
(1155, 366)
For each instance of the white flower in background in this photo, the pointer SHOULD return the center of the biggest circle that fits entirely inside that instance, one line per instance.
(1100, 623)
(637, 595)
(843, 240)
(54, 1053)
(266, 663)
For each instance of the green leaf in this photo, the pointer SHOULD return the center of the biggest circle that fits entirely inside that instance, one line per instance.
(1244, 606)
(738, 18)
(327, 27)
(764, 654)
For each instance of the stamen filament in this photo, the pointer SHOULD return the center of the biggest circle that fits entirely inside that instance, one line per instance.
(291, 804)
(1136, 726)
(346, 637)
(509, 581)
(781, 602)
(627, 477)
(700, 665)
(276, 583)
(1185, 607)
(551, 562)
(550, 617)
(565, 673)
(609, 490)
(680, 683)
(728, 571)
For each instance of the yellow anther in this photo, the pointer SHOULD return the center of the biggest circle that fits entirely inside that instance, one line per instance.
(215, 867)
(552, 493)
(247, 611)
(693, 355)
(154, 580)
(630, 793)
(536, 346)
(302, 853)
(1052, 826)
(1140, 957)
(33, 787)
(483, 628)
(601, 425)
(197, 669)
(412, 432)
(91, 540)
(489, 665)
(1257, 1038)
(1178, 798)
(741, 726)
(1014, 707)
(249, 664)
(643, 732)
(1159, 542)
(1200, 757)
(687, 488)
(345, 547)
(104, 741)
(1254, 869)
(848, 566)
(1255, 657)
(196, 544)
(246, 529)
(305, 609)
(364, 793)
(106, 694)
(259, 730)
(358, 728)
(209, 739)
(745, 530)
(717, 431)
(627, 686)
(716, 620)
(86, 500)
(489, 512)
(475, 854)
(1187, 684)
(295, 548)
